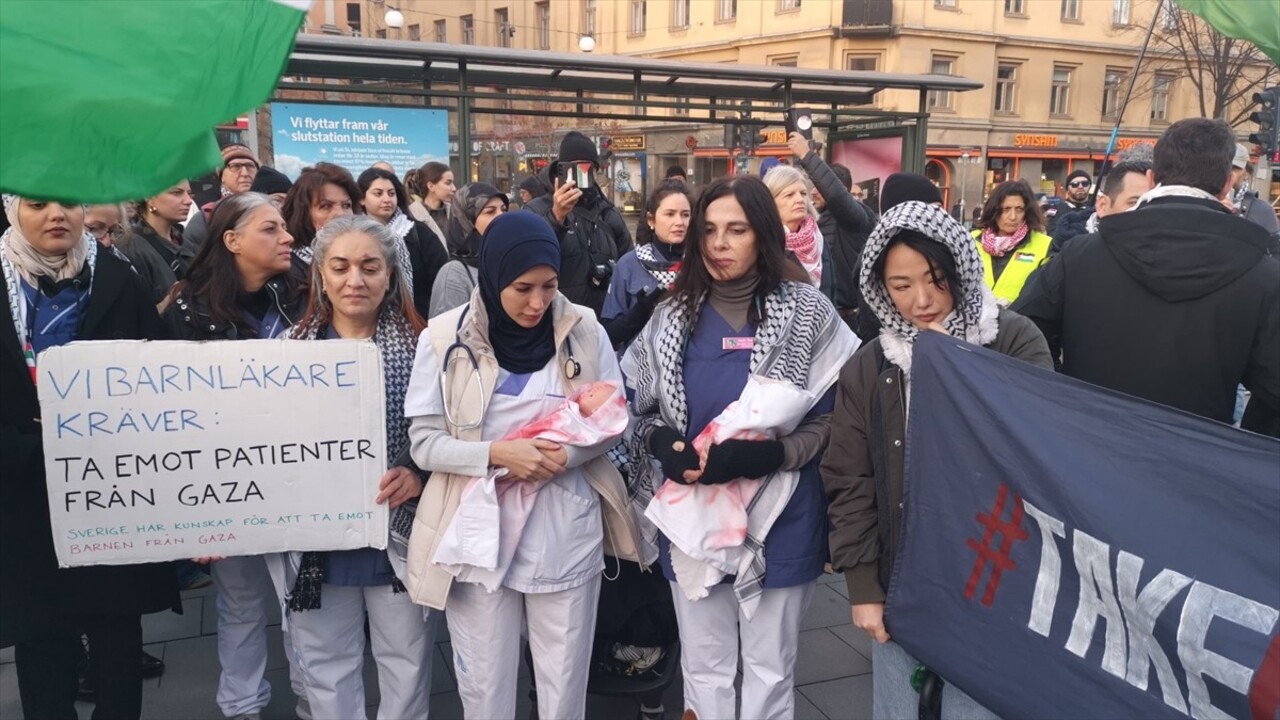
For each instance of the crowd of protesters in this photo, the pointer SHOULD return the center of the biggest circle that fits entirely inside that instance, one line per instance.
(788, 287)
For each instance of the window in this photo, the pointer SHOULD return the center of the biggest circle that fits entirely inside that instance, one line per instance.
(1111, 82)
(501, 22)
(639, 13)
(589, 17)
(1120, 11)
(1071, 10)
(1007, 88)
(784, 5)
(949, 4)
(415, 32)
(382, 34)
(679, 14)
(682, 108)
(468, 30)
(442, 32)
(544, 25)
(1169, 16)
(353, 17)
(1014, 7)
(728, 10)
(862, 63)
(1160, 91)
(788, 61)
(1060, 93)
(941, 99)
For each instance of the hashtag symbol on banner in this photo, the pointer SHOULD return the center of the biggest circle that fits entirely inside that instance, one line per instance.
(993, 524)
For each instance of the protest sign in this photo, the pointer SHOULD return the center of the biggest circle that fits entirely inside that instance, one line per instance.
(1073, 552)
(357, 136)
(167, 450)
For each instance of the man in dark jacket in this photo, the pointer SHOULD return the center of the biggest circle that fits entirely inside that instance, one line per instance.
(844, 223)
(1121, 187)
(590, 229)
(1075, 202)
(1176, 301)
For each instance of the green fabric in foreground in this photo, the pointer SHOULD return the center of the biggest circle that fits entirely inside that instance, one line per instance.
(1257, 21)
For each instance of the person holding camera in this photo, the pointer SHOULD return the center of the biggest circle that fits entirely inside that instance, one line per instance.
(591, 231)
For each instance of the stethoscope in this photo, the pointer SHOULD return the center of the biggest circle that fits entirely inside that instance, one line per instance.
(572, 369)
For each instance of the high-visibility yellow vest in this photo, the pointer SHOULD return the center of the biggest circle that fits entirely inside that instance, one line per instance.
(1026, 258)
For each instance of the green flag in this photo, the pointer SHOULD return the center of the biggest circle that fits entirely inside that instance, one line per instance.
(108, 100)
(1257, 21)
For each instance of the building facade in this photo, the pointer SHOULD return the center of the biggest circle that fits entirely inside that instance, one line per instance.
(1055, 72)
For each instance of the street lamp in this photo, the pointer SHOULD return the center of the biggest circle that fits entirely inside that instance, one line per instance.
(394, 18)
(586, 43)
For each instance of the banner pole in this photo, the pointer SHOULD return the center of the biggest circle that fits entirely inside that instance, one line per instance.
(1133, 79)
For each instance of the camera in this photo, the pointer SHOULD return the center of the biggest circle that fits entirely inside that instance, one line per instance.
(601, 273)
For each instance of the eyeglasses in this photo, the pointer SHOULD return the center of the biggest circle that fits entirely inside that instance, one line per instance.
(243, 166)
(115, 231)
(1078, 183)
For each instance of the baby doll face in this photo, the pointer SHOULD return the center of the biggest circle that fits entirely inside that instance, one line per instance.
(595, 395)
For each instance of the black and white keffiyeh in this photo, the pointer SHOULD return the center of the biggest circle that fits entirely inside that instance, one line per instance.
(975, 320)
(662, 269)
(396, 345)
(402, 225)
(800, 339)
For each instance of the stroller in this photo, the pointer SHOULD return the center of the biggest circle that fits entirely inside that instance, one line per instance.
(637, 644)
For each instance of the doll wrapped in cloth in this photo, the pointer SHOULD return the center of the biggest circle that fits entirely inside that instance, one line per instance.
(707, 524)
(480, 541)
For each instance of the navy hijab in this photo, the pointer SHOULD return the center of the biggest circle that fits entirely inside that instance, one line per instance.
(515, 243)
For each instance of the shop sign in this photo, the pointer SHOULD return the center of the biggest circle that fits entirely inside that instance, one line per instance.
(775, 137)
(628, 142)
(1126, 143)
(1023, 140)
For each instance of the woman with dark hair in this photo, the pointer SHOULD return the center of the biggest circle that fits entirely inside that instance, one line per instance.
(436, 181)
(358, 292)
(474, 207)
(644, 275)
(420, 255)
(512, 355)
(241, 286)
(320, 194)
(742, 314)
(62, 286)
(919, 272)
(1011, 239)
(156, 248)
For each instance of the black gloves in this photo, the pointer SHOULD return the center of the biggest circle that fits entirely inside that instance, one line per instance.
(733, 459)
(623, 328)
(674, 462)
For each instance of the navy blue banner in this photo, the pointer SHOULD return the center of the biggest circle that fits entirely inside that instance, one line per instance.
(1073, 552)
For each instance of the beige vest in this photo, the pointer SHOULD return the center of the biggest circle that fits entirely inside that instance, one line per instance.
(429, 584)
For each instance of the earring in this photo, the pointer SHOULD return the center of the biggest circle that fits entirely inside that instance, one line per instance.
(151, 209)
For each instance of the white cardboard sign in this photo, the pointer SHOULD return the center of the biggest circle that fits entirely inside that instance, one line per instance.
(168, 450)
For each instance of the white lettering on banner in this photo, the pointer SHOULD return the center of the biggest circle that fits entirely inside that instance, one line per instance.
(1130, 647)
(150, 447)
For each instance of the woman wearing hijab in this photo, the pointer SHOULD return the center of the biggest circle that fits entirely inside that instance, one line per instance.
(741, 313)
(474, 207)
(792, 192)
(1011, 239)
(421, 254)
(920, 271)
(241, 286)
(644, 275)
(357, 292)
(508, 357)
(61, 287)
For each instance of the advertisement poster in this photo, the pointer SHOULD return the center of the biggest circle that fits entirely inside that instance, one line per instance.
(871, 160)
(168, 450)
(357, 136)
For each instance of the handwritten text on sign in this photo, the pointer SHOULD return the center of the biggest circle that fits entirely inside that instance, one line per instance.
(167, 450)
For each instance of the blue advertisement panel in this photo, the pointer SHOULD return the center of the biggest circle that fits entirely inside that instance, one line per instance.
(1071, 552)
(357, 136)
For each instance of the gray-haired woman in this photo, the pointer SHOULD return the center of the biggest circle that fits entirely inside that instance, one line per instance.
(358, 292)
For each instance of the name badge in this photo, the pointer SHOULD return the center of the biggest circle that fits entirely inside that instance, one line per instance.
(738, 343)
(1025, 257)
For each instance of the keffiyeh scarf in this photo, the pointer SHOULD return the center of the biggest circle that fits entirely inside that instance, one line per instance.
(662, 269)
(806, 243)
(999, 245)
(799, 340)
(402, 225)
(974, 320)
(397, 345)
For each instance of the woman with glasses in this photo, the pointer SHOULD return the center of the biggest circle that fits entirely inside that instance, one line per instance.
(156, 249)
(1011, 239)
(106, 223)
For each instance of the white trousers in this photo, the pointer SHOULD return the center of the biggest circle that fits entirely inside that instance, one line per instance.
(329, 644)
(244, 595)
(711, 632)
(485, 631)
